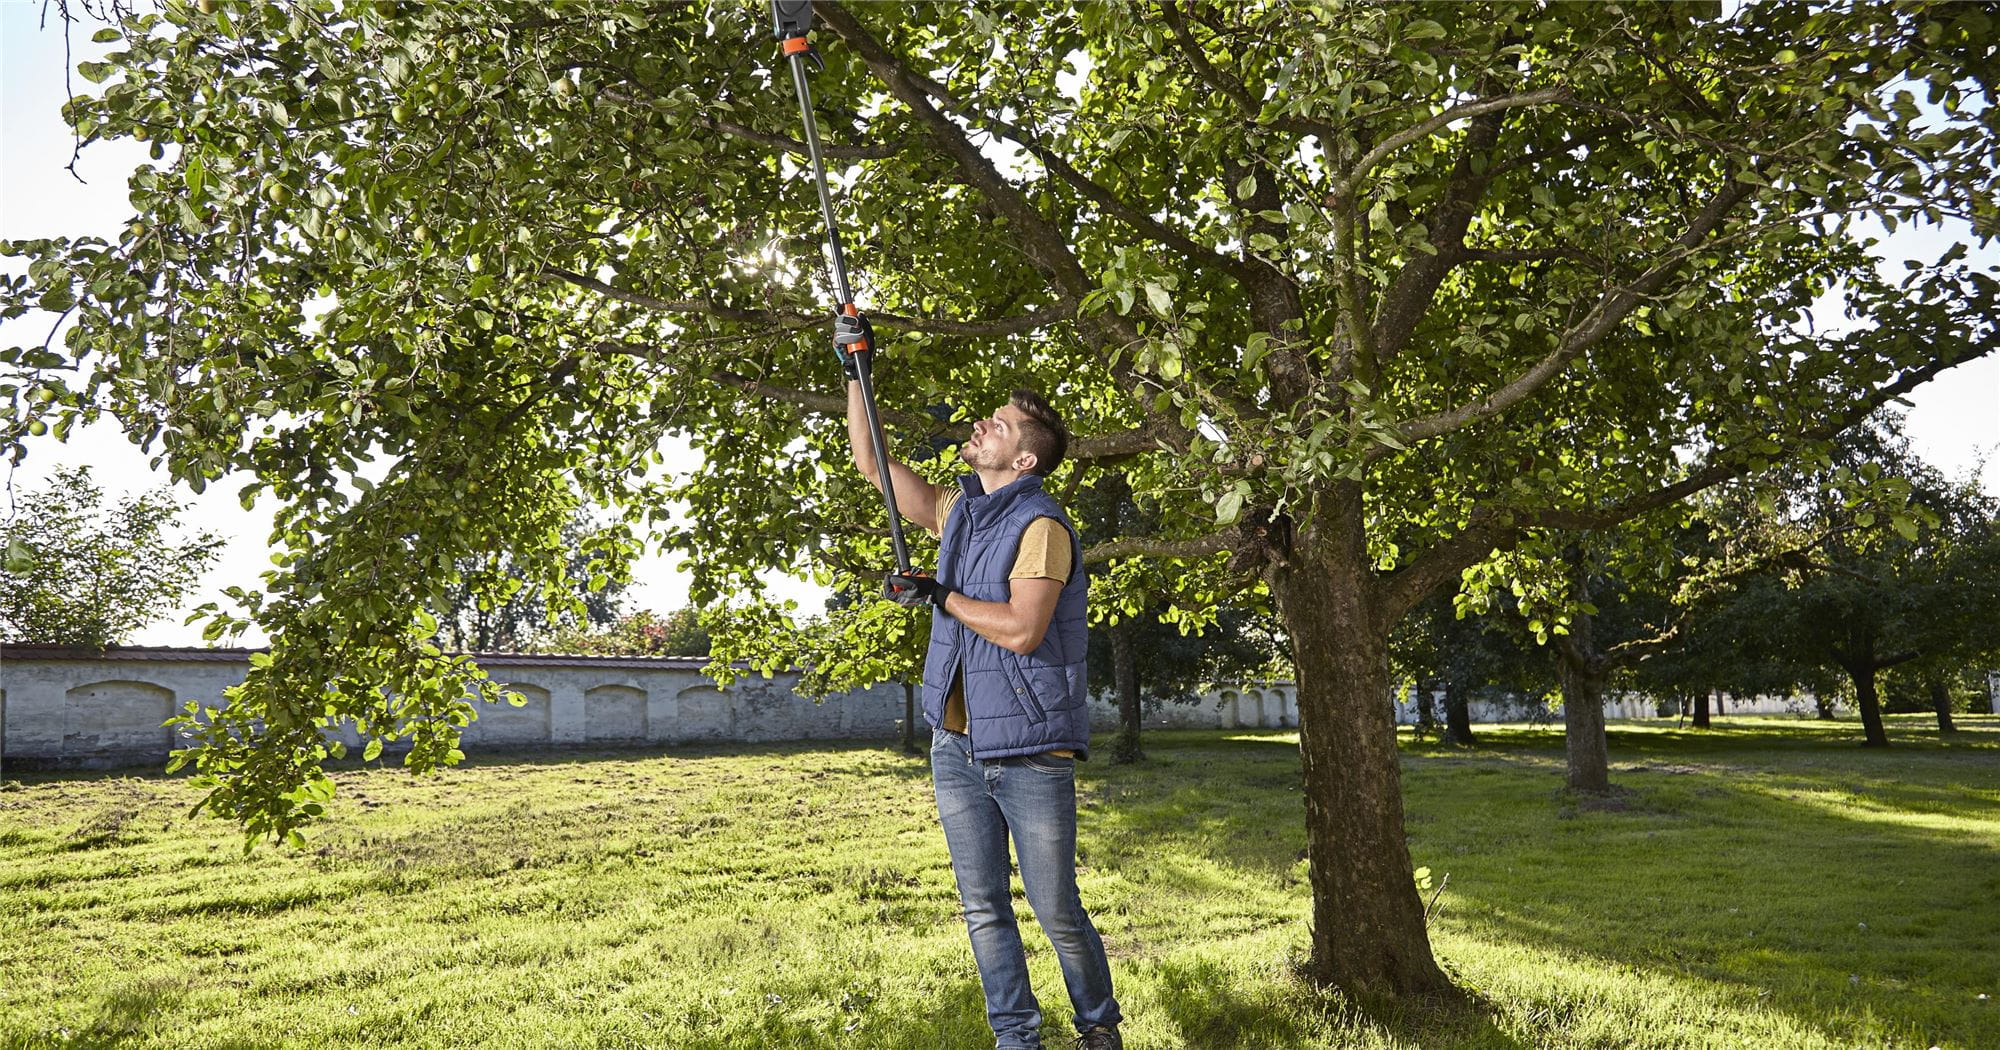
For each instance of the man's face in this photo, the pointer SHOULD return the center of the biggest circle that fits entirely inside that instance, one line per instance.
(995, 443)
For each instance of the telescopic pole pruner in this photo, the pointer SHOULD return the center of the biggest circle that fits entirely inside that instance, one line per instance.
(791, 20)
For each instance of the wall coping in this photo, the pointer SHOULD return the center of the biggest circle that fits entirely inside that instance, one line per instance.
(196, 654)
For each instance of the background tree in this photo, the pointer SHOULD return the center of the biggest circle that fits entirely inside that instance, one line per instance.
(1147, 663)
(1148, 648)
(641, 633)
(1445, 647)
(1351, 297)
(81, 573)
(494, 607)
(1916, 586)
(857, 642)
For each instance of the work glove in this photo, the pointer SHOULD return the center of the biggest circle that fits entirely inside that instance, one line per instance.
(853, 337)
(914, 589)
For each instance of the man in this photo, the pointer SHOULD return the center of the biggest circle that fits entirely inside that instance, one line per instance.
(1004, 692)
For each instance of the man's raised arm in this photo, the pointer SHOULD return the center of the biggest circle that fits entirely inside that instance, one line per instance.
(915, 497)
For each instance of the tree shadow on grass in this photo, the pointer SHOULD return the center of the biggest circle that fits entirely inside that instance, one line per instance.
(1208, 1006)
(1803, 909)
(131, 1011)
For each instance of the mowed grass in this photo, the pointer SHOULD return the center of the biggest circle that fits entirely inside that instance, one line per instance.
(1765, 883)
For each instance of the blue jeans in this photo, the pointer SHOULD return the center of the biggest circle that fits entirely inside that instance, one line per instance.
(1034, 798)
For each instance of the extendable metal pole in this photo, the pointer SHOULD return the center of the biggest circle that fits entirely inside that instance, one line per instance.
(866, 359)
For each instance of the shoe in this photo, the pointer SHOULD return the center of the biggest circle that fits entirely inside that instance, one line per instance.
(1100, 1038)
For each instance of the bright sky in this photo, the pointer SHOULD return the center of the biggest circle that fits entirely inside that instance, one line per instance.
(1955, 421)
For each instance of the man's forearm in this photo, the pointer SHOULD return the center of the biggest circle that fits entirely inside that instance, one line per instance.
(997, 622)
(858, 437)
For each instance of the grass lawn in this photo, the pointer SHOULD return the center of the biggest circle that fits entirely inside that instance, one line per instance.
(1765, 883)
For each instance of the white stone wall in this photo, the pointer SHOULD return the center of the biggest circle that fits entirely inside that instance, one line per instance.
(1256, 705)
(65, 711)
(104, 711)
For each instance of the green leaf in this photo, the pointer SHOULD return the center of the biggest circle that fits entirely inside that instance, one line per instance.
(1229, 507)
(20, 557)
(1246, 187)
(1159, 299)
(373, 750)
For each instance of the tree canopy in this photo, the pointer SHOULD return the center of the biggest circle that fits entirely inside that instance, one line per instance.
(1350, 297)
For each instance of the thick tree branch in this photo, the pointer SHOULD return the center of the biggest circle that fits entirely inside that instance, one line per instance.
(1147, 438)
(1353, 176)
(1251, 107)
(1492, 528)
(1483, 534)
(1150, 547)
(1409, 296)
(1197, 253)
(1046, 246)
(1604, 315)
(1027, 322)
(1736, 462)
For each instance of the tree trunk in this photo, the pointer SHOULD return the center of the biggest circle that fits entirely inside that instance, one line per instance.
(1701, 710)
(1583, 721)
(1427, 718)
(1865, 698)
(1457, 714)
(1581, 670)
(1941, 703)
(1824, 704)
(1125, 682)
(910, 718)
(1368, 936)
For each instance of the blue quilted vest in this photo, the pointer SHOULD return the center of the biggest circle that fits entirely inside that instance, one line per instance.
(1014, 704)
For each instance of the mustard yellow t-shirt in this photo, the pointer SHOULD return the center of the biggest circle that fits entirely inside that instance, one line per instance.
(1044, 555)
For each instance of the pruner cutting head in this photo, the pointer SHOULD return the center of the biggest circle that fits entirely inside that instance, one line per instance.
(790, 18)
(790, 21)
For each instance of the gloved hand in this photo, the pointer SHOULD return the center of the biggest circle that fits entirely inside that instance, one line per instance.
(914, 589)
(853, 337)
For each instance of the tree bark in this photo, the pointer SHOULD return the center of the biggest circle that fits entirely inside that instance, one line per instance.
(1427, 718)
(1941, 703)
(1701, 710)
(1583, 722)
(1870, 703)
(1368, 936)
(1457, 714)
(1581, 669)
(1125, 682)
(1824, 704)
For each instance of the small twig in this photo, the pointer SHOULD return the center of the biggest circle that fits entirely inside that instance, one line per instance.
(1431, 909)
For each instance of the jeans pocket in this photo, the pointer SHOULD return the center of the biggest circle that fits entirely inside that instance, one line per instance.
(1049, 763)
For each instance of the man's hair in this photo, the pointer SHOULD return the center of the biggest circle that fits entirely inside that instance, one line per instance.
(1042, 432)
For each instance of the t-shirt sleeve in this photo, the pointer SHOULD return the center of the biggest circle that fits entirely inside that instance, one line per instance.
(1045, 553)
(947, 498)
